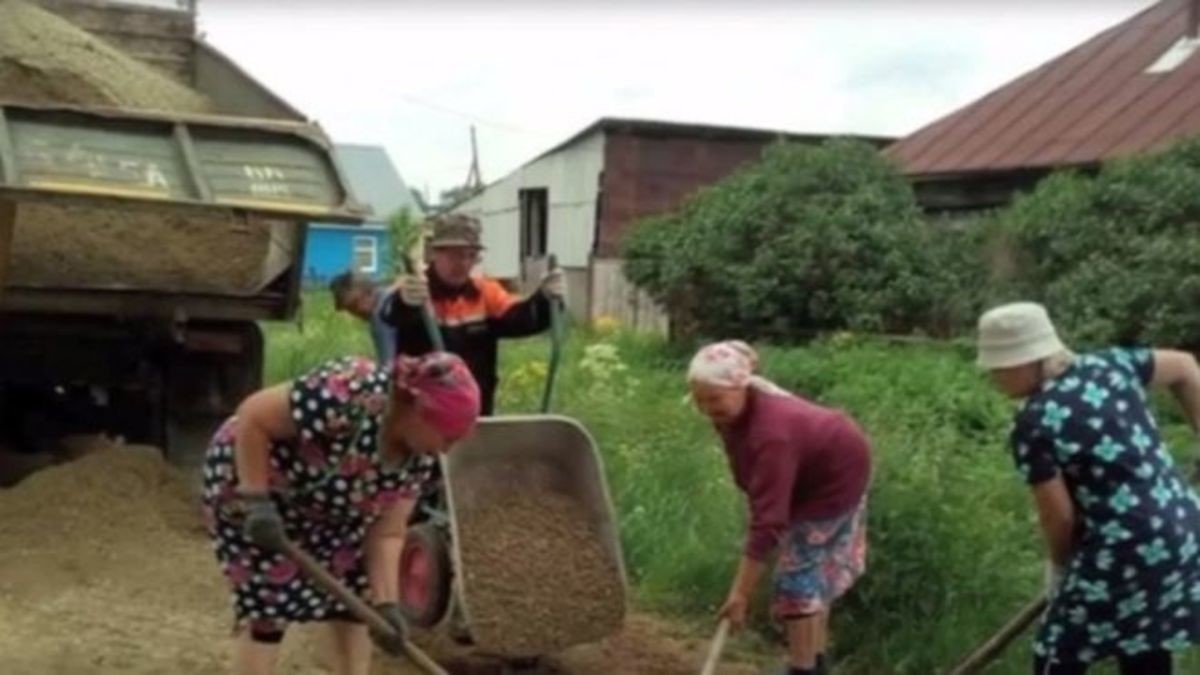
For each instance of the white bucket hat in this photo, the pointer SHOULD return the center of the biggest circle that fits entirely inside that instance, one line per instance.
(1016, 334)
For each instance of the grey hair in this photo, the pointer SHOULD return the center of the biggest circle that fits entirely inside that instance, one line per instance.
(1056, 364)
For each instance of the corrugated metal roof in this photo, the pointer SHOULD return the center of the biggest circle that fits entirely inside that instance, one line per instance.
(374, 180)
(1092, 103)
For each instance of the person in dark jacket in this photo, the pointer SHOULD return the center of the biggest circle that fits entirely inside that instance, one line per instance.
(473, 312)
(363, 298)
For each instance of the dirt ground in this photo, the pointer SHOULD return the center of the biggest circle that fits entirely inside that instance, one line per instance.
(105, 569)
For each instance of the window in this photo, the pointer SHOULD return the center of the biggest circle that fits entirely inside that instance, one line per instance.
(534, 228)
(366, 255)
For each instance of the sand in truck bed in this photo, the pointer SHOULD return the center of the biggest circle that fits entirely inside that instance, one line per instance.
(45, 59)
(160, 249)
(105, 570)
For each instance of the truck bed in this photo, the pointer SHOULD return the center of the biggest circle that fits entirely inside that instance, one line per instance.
(135, 213)
(216, 223)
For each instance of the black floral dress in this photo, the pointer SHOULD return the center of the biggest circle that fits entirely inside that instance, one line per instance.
(329, 486)
(1133, 582)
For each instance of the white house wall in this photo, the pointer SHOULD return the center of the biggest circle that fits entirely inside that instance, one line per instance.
(571, 176)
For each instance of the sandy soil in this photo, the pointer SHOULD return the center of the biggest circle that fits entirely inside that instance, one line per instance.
(105, 570)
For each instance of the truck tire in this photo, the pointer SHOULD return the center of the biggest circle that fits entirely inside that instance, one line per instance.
(425, 575)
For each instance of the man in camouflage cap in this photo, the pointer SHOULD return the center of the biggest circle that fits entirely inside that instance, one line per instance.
(473, 312)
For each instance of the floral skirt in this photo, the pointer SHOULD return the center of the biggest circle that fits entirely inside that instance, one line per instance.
(820, 560)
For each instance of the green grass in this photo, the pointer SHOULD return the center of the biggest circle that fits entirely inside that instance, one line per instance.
(954, 549)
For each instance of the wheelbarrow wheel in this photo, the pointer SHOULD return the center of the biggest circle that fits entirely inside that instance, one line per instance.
(425, 575)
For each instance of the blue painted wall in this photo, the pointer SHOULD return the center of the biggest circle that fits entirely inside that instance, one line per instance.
(329, 251)
(374, 183)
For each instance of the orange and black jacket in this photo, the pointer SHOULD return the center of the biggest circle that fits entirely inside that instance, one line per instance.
(472, 319)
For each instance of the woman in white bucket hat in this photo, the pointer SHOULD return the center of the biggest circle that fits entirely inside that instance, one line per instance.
(1121, 523)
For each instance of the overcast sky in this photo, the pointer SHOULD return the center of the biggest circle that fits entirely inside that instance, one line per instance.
(413, 76)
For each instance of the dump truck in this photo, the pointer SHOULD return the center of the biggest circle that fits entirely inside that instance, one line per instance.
(140, 248)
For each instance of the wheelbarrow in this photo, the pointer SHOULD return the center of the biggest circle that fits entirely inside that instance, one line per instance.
(533, 452)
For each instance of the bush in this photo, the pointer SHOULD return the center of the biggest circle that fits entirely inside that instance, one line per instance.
(403, 232)
(1114, 256)
(811, 238)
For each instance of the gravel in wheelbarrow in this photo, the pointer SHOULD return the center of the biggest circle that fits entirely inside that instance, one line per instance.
(537, 576)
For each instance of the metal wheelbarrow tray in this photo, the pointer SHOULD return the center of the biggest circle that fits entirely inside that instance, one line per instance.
(510, 455)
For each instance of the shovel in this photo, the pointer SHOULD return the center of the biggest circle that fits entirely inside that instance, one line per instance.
(556, 338)
(984, 654)
(427, 314)
(357, 606)
(715, 648)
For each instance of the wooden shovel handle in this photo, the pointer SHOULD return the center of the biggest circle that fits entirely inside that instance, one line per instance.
(715, 648)
(987, 652)
(357, 606)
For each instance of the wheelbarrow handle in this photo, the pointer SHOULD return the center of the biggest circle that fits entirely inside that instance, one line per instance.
(987, 652)
(357, 606)
(428, 317)
(556, 339)
(715, 648)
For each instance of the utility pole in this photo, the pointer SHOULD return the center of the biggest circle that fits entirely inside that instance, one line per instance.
(474, 178)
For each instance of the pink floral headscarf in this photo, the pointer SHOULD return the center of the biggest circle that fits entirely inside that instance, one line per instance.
(446, 393)
(724, 364)
(731, 363)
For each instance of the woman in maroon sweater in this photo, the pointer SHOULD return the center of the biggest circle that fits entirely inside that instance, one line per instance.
(805, 470)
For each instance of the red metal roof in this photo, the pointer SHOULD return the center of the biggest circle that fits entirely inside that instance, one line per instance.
(1092, 103)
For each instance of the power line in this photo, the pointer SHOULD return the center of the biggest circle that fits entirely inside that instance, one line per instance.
(470, 116)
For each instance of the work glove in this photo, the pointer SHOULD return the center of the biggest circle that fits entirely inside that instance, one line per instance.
(263, 525)
(554, 284)
(391, 644)
(412, 289)
(1054, 579)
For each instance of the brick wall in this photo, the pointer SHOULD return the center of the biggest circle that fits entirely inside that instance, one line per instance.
(646, 175)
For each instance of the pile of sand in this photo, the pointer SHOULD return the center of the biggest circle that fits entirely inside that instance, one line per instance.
(105, 570)
(46, 59)
(536, 577)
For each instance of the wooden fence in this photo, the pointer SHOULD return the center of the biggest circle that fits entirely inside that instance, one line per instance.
(613, 296)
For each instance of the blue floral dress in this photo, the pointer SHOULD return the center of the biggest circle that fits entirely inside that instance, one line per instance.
(1133, 582)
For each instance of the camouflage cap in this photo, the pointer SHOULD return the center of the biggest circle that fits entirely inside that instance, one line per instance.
(455, 230)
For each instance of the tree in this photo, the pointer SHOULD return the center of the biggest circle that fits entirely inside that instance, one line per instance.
(404, 232)
(1114, 256)
(812, 237)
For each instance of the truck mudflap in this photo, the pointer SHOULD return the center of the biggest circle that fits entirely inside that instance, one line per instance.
(8, 218)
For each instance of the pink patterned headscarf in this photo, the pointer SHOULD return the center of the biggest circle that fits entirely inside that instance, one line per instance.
(724, 364)
(731, 363)
(446, 393)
